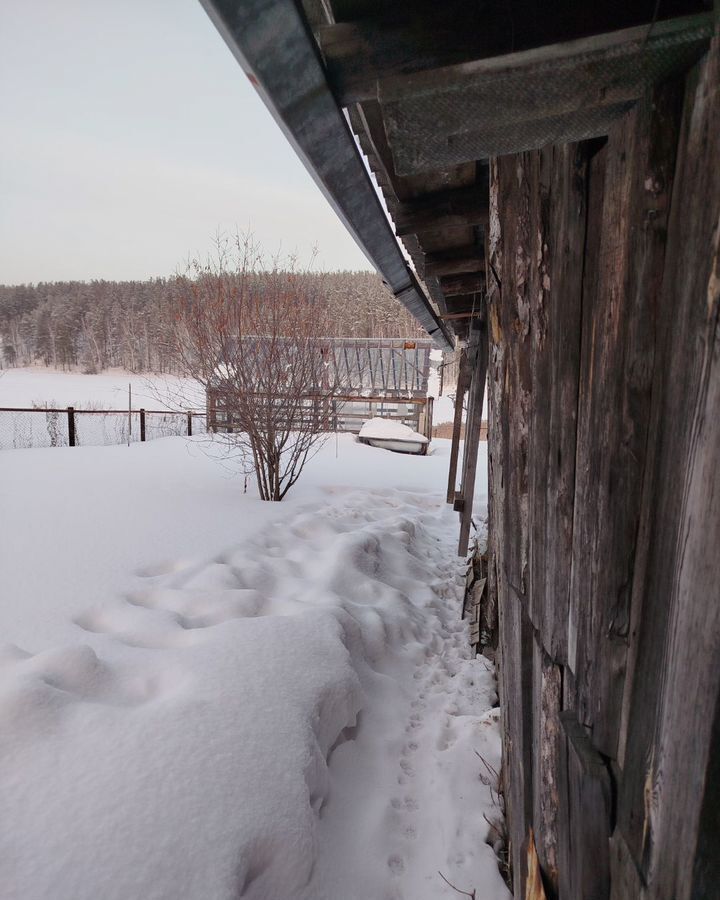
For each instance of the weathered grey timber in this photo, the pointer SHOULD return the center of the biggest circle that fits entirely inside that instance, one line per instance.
(477, 360)
(605, 498)
(587, 822)
(553, 94)
(460, 391)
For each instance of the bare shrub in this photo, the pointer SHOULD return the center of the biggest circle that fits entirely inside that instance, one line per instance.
(253, 340)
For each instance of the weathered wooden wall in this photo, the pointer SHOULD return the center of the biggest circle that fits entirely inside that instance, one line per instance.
(604, 384)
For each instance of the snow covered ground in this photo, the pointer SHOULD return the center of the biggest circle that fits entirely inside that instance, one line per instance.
(204, 696)
(52, 387)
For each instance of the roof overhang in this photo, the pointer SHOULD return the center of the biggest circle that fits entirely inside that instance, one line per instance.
(432, 91)
(273, 44)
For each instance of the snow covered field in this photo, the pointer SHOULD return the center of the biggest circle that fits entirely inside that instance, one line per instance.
(109, 390)
(204, 696)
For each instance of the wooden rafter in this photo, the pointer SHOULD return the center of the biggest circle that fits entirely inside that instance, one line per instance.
(462, 284)
(455, 261)
(444, 209)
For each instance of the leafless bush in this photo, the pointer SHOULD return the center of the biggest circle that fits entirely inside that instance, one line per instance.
(254, 344)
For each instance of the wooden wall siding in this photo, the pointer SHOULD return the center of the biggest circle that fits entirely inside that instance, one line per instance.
(621, 294)
(673, 699)
(508, 404)
(604, 450)
(547, 760)
(560, 176)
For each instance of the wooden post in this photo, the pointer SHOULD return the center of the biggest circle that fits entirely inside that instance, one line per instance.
(142, 424)
(457, 426)
(189, 424)
(71, 425)
(472, 437)
(212, 412)
(428, 418)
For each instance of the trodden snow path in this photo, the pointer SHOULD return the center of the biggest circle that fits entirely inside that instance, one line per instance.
(295, 718)
(407, 795)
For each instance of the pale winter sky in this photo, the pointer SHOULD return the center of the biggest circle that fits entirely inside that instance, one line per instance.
(129, 135)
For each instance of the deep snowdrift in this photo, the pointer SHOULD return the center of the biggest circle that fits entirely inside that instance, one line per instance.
(280, 704)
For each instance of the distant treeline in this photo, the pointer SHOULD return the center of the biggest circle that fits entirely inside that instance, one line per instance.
(102, 324)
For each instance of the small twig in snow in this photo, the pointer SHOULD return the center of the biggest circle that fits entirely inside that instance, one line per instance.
(469, 894)
(494, 827)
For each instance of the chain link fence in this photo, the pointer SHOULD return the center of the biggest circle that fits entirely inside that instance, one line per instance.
(25, 428)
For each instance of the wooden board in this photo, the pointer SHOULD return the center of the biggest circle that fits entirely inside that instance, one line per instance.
(673, 698)
(477, 362)
(547, 761)
(622, 290)
(587, 817)
(556, 306)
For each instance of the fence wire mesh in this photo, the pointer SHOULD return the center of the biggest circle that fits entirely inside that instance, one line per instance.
(21, 429)
(24, 429)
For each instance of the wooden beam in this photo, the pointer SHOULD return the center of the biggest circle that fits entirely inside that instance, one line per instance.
(457, 261)
(463, 284)
(462, 315)
(457, 208)
(462, 386)
(360, 54)
(478, 364)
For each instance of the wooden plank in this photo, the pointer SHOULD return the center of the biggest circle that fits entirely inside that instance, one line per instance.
(706, 867)
(513, 329)
(455, 261)
(615, 402)
(625, 880)
(601, 70)
(460, 391)
(360, 53)
(559, 214)
(596, 189)
(476, 396)
(453, 208)
(515, 668)
(553, 95)
(463, 284)
(509, 395)
(547, 736)
(462, 315)
(589, 809)
(670, 685)
(682, 572)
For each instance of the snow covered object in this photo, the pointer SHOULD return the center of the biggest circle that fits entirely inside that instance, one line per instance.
(392, 435)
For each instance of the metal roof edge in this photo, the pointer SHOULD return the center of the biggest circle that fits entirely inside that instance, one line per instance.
(273, 44)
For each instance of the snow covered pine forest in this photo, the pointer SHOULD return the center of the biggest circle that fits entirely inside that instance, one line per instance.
(206, 696)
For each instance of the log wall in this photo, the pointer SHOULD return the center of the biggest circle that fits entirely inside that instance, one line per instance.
(604, 383)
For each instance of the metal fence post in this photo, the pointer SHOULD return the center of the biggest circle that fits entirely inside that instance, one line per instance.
(71, 425)
(142, 424)
(189, 424)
